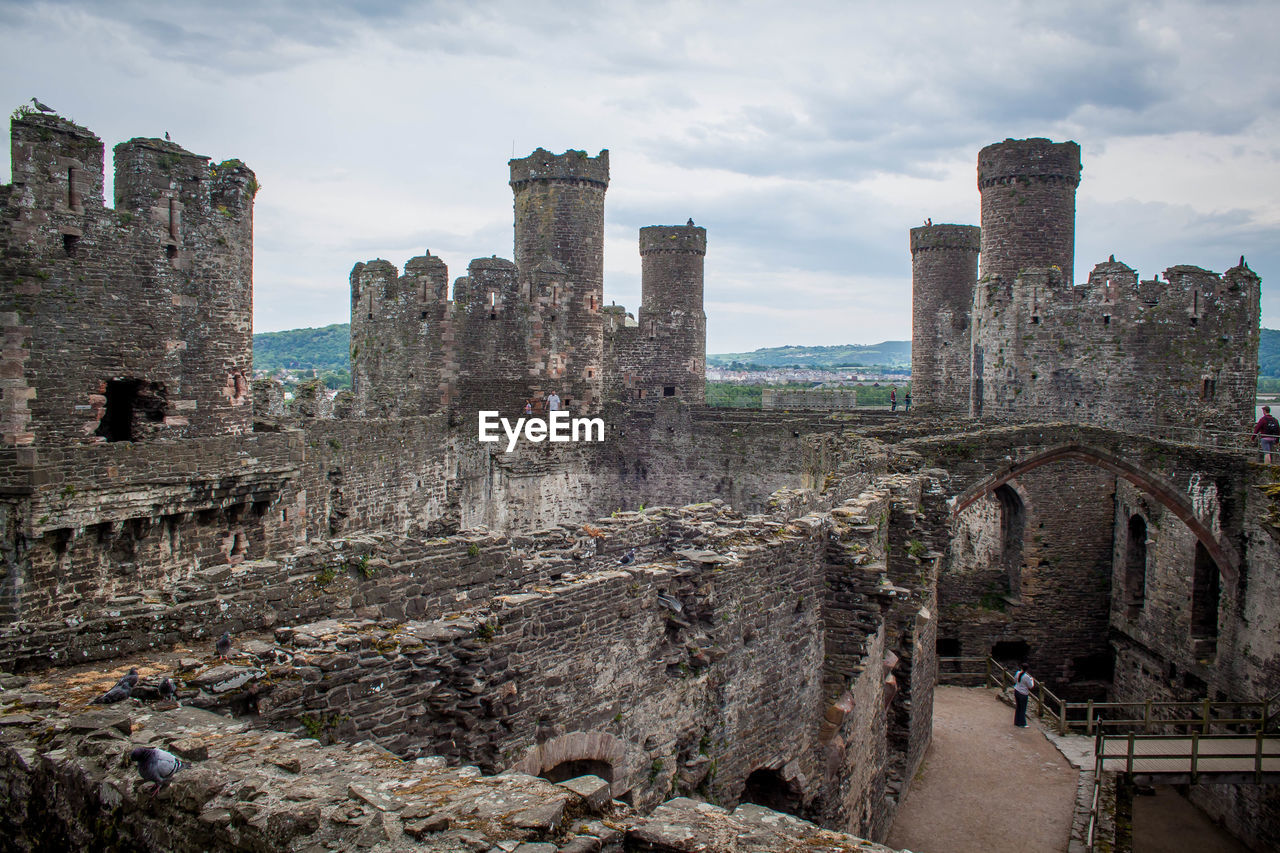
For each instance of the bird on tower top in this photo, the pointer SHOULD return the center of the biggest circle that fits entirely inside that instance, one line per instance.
(42, 107)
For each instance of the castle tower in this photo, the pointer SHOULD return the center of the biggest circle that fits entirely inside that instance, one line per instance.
(396, 325)
(132, 323)
(672, 319)
(944, 270)
(559, 255)
(1028, 189)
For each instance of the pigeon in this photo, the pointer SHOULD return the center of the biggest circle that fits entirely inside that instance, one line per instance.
(156, 765)
(168, 690)
(121, 691)
(224, 645)
(690, 222)
(42, 107)
(628, 558)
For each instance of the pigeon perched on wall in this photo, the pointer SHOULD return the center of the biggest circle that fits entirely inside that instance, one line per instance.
(166, 136)
(156, 765)
(628, 558)
(41, 107)
(224, 645)
(121, 691)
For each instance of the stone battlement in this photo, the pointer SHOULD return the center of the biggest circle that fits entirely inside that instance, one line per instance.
(572, 166)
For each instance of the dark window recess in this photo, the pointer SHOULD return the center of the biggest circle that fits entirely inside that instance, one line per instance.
(1208, 388)
(767, 788)
(579, 767)
(948, 647)
(69, 244)
(1035, 321)
(1135, 567)
(424, 315)
(131, 403)
(1194, 320)
(171, 251)
(1205, 592)
(1011, 651)
(1106, 319)
(668, 390)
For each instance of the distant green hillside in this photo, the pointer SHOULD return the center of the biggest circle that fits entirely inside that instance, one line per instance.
(327, 349)
(1269, 353)
(887, 354)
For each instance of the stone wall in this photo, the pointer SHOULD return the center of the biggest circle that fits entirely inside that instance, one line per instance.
(1175, 356)
(838, 399)
(125, 324)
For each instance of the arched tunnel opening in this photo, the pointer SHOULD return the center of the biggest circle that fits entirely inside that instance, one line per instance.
(767, 788)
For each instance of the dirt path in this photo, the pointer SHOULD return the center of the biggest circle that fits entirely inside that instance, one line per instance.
(986, 786)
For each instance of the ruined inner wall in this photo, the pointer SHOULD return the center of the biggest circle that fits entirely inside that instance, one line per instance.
(673, 671)
(1032, 565)
(1183, 631)
(98, 527)
(125, 324)
(1172, 355)
(944, 269)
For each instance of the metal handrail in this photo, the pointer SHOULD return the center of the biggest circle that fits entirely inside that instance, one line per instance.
(1089, 717)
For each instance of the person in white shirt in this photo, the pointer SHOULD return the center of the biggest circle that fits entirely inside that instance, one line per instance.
(1023, 684)
(553, 402)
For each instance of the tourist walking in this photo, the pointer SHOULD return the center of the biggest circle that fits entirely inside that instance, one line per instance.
(1022, 686)
(553, 402)
(1267, 430)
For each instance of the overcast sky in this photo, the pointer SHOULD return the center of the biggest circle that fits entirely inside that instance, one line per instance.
(807, 137)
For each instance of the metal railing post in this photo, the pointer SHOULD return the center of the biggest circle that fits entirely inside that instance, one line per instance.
(1128, 761)
(1257, 759)
(1195, 756)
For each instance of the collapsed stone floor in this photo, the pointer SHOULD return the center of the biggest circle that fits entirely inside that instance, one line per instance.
(251, 788)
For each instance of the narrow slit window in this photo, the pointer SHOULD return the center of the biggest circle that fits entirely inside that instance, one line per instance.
(173, 218)
(73, 198)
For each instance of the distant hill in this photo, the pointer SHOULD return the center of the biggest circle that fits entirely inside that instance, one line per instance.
(327, 349)
(1269, 353)
(886, 354)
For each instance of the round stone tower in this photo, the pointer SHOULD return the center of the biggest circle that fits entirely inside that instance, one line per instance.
(1028, 189)
(559, 255)
(944, 269)
(671, 311)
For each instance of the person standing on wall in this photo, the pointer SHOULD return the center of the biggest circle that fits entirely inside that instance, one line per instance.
(906, 402)
(1023, 683)
(553, 402)
(1267, 430)
(893, 399)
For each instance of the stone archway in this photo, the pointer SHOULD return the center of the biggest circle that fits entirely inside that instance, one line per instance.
(1218, 550)
(595, 753)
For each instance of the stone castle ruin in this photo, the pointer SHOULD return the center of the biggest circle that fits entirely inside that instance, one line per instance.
(708, 625)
